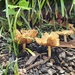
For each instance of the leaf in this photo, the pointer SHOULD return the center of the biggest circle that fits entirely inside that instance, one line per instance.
(19, 22)
(23, 3)
(73, 1)
(12, 11)
(15, 6)
(25, 8)
(32, 53)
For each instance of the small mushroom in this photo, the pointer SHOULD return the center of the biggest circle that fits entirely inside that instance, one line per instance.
(48, 40)
(65, 33)
(71, 27)
(25, 37)
(53, 40)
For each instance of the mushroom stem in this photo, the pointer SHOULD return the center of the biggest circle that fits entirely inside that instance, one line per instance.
(49, 51)
(24, 47)
(65, 38)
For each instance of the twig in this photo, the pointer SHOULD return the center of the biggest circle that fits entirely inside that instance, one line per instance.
(37, 63)
(32, 59)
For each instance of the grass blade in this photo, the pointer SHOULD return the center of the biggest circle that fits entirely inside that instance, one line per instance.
(32, 53)
(62, 7)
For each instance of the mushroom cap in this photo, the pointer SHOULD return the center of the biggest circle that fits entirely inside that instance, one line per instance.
(43, 40)
(65, 32)
(48, 40)
(33, 33)
(39, 40)
(29, 33)
(25, 36)
(53, 39)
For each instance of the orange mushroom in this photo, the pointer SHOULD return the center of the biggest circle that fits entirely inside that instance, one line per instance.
(25, 36)
(65, 33)
(48, 40)
(53, 40)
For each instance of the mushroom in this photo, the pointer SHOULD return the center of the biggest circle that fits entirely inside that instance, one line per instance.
(71, 27)
(48, 40)
(52, 41)
(65, 33)
(25, 36)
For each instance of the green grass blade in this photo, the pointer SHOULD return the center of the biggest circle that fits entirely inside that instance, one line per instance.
(32, 53)
(56, 9)
(42, 4)
(7, 68)
(1, 31)
(72, 8)
(16, 68)
(62, 7)
(26, 21)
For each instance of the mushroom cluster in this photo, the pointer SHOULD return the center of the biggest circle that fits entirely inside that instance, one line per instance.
(50, 40)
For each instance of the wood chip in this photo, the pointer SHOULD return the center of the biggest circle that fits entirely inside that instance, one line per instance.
(37, 63)
(70, 44)
(32, 59)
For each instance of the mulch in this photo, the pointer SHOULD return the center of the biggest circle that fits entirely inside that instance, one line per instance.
(62, 61)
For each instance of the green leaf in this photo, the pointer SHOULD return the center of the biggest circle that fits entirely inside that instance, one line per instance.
(19, 22)
(15, 6)
(25, 8)
(12, 11)
(73, 1)
(23, 3)
(32, 53)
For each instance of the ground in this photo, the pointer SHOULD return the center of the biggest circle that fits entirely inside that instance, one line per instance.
(62, 60)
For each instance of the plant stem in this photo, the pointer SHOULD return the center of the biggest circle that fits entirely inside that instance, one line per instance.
(10, 26)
